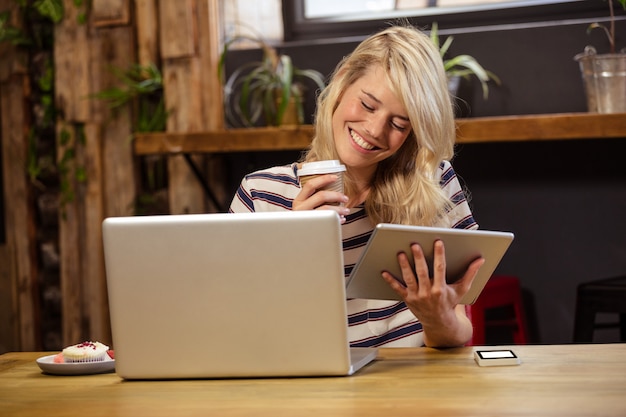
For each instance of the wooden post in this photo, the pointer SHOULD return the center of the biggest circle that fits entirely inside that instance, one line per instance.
(147, 32)
(95, 300)
(189, 47)
(177, 25)
(70, 234)
(85, 55)
(18, 273)
(211, 36)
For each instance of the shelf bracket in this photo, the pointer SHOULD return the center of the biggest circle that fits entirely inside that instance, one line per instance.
(203, 182)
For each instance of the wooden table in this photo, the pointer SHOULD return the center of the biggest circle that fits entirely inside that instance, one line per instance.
(553, 380)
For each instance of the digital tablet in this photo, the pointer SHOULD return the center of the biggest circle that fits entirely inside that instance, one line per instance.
(462, 246)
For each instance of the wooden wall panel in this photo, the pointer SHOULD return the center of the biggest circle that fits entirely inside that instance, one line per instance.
(178, 28)
(193, 95)
(11, 62)
(181, 84)
(186, 34)
(70, 243)
(147, 31)
(110, 12)
(18, 308)
(19, 210)
(72, 67)
(72, 87)
(106, 156)
(110, 166)
(210, 48)
(183, 97)
(9, 315)
(114, 47)
(95, 300)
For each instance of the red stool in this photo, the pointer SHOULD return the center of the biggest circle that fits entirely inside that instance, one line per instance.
(500, 291)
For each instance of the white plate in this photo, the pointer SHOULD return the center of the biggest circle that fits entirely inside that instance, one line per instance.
(46, 363)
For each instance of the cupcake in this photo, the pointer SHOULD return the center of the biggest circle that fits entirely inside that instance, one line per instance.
(85, 352)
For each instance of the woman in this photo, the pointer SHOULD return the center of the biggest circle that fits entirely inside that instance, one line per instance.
(387, 116)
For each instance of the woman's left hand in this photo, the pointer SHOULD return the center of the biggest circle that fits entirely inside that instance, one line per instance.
(432, 299)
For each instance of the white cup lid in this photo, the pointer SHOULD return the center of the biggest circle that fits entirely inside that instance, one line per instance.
(321, 167)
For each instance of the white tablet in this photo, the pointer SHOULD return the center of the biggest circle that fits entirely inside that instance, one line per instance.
(462, 247)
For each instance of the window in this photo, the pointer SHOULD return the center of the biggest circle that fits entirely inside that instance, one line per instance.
(332, 8)
(319, 19)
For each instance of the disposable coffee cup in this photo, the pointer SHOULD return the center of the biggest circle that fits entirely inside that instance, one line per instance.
(314, 169)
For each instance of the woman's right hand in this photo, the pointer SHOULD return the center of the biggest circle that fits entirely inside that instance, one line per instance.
(314, 197)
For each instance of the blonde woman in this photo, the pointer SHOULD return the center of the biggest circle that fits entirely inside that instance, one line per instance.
(386, 114)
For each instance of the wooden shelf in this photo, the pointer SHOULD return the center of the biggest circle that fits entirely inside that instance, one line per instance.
(563, 126)
(542, 127)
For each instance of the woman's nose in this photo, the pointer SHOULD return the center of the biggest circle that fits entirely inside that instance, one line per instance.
(376, 125)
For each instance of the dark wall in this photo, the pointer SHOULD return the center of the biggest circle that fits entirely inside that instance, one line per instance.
(564, 200)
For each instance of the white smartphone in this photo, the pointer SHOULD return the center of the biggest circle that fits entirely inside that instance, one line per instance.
(500, 357)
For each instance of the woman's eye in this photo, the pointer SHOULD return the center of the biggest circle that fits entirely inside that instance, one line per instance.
(396, 126)
(367, 106)
(400, 125)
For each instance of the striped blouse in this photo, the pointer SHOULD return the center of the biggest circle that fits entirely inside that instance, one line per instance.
(370, 322)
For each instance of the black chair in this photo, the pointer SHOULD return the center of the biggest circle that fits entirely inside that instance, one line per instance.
(600, 296)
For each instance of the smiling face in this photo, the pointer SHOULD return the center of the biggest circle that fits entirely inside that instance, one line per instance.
(369, 125)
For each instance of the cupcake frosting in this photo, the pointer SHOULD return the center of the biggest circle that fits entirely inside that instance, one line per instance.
(85, 351)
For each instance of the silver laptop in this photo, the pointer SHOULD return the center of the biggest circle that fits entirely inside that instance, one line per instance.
(228, 296)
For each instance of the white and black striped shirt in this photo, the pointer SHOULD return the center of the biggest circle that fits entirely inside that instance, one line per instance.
(371, 322)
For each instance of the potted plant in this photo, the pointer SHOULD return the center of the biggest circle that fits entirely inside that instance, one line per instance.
(461, 65)
(269, 87)
(604, 75)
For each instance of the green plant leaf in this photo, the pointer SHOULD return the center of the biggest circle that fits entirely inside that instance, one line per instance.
(285, 77)
(53, 9)
(143, 86)
(462, 65)
(222, 61)
(11, 34)
(313, 75)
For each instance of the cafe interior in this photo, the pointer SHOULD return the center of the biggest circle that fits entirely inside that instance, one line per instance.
(121, 108)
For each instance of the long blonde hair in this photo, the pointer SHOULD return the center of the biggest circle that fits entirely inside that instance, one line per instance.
(405, 188)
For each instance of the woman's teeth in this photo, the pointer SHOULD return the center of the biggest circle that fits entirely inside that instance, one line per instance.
(361, 142)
